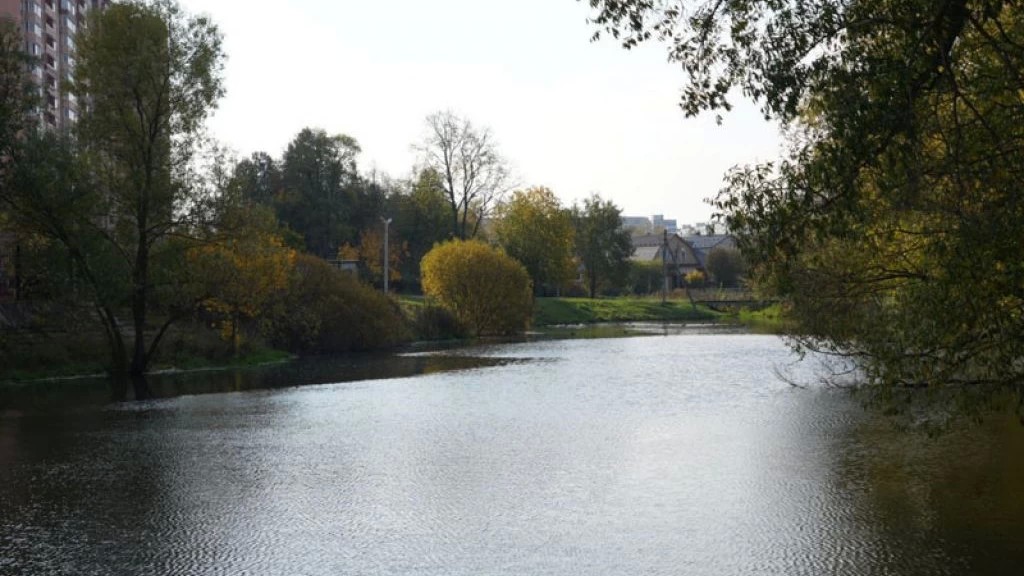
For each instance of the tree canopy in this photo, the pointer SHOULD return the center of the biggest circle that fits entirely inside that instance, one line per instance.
(487, 291)
(120, 194)
(536, 230)
(602, 244)
(472, 173)
(892, 226)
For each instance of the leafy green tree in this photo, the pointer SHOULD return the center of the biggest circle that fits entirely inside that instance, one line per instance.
(602, 245)
(893, 225)
(726, 266)
(319, 189)
(535, 229)
(240, 274)
(257, 178)
(646, 277)
(472, 173)
(421, 220)
(151, 75)
(326, 310)
(487, 291)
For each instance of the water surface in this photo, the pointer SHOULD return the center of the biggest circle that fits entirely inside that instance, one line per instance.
(675, 454)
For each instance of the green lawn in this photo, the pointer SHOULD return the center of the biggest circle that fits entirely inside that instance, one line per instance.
(551, 311)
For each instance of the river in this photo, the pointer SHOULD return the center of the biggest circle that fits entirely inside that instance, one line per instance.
(680, 453)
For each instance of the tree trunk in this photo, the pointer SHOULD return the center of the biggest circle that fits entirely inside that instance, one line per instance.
(593, 285)
(118, 372)
(141, 386)
(140, 291)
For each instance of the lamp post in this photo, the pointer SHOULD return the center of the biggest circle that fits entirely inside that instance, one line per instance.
(387, 269)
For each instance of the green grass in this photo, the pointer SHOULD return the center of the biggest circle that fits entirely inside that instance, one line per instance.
(553, 311)
(252, 358)
(771, 319)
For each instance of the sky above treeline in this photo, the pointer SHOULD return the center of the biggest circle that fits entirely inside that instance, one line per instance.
(577, 116)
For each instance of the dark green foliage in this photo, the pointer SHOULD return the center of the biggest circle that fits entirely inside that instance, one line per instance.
(319, 189)
(421, 219)
(726, 266)
(436, 323)
(602, 245)
(326, 310)
(646, 277)
(893, 226)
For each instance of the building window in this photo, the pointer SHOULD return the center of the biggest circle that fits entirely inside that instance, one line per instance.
(37, 9)
(34, 49)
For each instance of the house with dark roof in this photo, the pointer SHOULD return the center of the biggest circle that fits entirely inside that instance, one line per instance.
(680, 257)
(703, 245)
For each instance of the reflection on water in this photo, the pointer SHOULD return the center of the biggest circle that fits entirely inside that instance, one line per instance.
(306, 371)
(679, 454)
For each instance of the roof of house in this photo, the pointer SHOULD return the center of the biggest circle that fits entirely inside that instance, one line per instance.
(705, 243)
(646, 253)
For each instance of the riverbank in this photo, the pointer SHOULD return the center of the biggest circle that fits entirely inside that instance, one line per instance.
(34, 357)
(555, 311)
(31, 357)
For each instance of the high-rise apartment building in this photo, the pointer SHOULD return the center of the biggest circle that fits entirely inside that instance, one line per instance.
(49, 28)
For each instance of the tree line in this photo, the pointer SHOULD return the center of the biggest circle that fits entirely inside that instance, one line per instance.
(135, 222)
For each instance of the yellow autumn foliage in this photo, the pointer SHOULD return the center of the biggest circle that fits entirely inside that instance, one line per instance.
(242, 275)
(487, 291)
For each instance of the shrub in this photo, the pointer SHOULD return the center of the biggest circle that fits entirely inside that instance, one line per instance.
(726, 266)
(436, 323)
(487, 291)
(695, 278)
(327, 310)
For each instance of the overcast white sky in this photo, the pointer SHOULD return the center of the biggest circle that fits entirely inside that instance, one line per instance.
(576, 116)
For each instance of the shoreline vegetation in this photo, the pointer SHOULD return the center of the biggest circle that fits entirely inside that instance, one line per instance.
(56, 357)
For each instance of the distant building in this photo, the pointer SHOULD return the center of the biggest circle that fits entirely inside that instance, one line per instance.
(641, 224)
(659, 222)
(652, 225)
(703, 245)
(49, 28)
(680, 258)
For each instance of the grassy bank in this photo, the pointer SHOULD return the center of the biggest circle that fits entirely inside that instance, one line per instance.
(26, 357)
(552, 311)
(772, 319)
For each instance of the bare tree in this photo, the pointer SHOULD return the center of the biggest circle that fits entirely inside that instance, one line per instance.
(473, 174)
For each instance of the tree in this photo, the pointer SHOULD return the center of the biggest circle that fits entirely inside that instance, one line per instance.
(151, 75)
(726, 265)
(422, 218)
(603, 246)
(472, 173)
(326, 310)
(536, 230)
(243, 272)
(370, 253)
(319, 182)
(257, 178)
(486, 290)
(893, 226)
